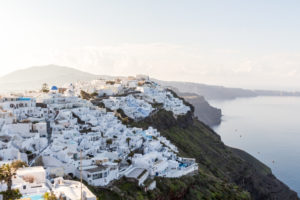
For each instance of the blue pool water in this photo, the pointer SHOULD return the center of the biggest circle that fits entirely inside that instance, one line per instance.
(34, 197)
(182, 165)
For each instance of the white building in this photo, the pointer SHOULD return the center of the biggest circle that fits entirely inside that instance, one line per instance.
(8, 103)
(139, 174)
(30, 180)
(71, 190)
(100, 175)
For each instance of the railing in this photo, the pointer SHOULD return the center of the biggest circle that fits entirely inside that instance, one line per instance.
(125, 171)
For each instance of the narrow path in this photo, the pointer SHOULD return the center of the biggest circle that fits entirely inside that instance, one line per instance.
(49, 134)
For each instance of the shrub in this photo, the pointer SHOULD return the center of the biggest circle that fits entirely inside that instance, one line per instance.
(85, 95)
(11, 195)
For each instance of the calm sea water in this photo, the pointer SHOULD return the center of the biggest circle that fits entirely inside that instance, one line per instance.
(269, 129)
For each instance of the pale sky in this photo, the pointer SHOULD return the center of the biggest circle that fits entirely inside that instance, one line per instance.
(239, 43)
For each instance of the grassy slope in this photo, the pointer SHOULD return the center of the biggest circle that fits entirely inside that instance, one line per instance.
(200, 186)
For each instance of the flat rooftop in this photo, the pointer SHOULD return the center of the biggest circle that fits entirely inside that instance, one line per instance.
(96, 169)
(135, 173)
(72, 189)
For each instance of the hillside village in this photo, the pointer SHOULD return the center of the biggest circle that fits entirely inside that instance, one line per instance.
(83, 131)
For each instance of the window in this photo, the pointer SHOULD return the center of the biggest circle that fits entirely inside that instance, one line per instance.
(24, 187)
(97, 176)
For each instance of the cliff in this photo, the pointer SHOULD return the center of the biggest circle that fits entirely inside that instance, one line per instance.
(224, 172)
(223, 163)
(204, 112)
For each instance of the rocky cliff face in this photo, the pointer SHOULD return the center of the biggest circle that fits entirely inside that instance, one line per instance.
(205, 113)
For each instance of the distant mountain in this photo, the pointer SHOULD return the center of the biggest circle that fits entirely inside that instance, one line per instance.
(211, 92)
(34, 77)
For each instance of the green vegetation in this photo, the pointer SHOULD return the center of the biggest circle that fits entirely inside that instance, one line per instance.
(110, 82)
(94, 94)
(11, 195)
(85, 95)
(119, 113)
(7, 171)
(49, 196)
(45, 88)
(88, 96)
(131, 154)
(109, 142)
(128, 141)
(195, 187)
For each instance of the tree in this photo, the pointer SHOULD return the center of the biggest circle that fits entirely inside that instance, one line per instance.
(7, 171)
(109, 142)
(49, 196)
(11, 195)
(131, 154)
(85, 95)
(45, 88)
(94, 94)
(128, 140)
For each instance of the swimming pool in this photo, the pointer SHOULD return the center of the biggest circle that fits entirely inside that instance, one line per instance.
(34, 197)
(182, 165)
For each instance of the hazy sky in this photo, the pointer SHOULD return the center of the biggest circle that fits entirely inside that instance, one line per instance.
(253, 44)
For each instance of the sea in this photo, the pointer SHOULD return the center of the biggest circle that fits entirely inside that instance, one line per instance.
(269, 129)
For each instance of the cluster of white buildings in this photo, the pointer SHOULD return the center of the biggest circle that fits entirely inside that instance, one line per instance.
(71, 137)
(133, 107)
(32, 182)
(155, 94)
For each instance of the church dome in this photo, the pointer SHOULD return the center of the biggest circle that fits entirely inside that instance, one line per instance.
(54, 88)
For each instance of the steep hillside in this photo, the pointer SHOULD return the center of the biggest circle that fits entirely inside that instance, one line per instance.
(200, 186)
(233, 166)
(206, 113)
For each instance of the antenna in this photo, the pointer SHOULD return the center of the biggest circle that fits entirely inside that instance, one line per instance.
(19, 155)
(81, 174)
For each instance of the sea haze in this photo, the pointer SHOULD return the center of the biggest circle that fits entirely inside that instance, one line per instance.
(269, 129)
